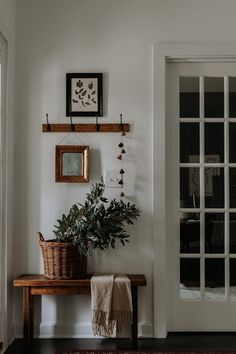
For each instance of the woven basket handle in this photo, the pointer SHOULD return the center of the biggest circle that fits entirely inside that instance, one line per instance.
(40, 236)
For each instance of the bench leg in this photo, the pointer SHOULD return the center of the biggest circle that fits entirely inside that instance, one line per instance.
(134, 338)
(28, 312)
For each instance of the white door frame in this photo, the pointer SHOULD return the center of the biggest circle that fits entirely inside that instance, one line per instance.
(6, 296)
(3, 257)
(162, 54)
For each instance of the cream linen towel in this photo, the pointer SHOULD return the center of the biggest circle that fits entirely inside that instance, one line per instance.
(111, 304)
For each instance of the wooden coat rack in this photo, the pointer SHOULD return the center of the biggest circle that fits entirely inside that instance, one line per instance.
(85, 128)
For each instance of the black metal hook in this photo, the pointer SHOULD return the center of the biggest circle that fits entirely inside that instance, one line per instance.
(72, 127)
(121, 123)
(97, 125)
(48, 125)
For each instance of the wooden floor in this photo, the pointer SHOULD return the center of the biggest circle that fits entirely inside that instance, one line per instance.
(174, 342)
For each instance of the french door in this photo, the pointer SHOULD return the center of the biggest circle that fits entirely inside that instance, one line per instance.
(201, 170)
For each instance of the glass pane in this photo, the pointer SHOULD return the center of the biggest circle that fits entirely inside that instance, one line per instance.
(232, 233)
(214, 97)
(189, 97)
(72, 164)
(214, 187)
(232, 187)
(214, 142)
(232, 142)
(214, 233)
(214, 278)
(190, 278)
(232, 277)
(189, 142)
(189, 187)
(190, 233)
(232, 97)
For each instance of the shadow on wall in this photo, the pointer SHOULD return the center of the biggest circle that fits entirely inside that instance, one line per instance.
(28, 170)
(95, 165)
(105, 93)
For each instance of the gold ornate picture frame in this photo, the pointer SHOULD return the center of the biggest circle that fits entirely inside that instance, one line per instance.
(72, 163)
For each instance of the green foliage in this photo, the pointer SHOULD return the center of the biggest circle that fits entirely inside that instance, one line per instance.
(96, 223)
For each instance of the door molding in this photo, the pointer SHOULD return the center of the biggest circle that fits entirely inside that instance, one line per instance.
(164, 53)
(8, 37)
(3, 179)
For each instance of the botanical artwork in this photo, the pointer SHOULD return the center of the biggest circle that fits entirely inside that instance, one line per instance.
(84, 94)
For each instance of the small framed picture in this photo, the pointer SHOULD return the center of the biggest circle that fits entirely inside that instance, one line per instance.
(84, 94)
(72, 163)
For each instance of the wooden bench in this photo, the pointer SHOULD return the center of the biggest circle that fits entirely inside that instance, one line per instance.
(37, 284)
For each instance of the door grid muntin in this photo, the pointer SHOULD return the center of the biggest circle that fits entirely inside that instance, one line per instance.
(219, 262)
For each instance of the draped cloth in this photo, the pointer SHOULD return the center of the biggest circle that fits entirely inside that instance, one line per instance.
(111, 303)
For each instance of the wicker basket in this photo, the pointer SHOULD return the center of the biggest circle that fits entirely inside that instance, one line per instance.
(62, 260)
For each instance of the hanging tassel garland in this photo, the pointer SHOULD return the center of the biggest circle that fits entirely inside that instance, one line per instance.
(120, 157)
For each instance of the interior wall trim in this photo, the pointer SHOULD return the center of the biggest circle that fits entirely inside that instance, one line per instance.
(76, 330)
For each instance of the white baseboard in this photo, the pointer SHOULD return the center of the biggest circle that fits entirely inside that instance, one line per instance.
(54, 330)
(6, 345)
(145, 330)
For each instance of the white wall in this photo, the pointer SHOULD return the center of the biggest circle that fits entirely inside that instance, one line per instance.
(7, 29)
(55, 37)
(7, 15)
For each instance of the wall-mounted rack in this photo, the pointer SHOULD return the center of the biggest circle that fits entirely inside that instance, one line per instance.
(85, 128)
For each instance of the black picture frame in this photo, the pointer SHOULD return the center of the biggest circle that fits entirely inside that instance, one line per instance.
(84, 94)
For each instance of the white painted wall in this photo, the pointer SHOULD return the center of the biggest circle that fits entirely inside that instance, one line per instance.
(7, 29)
(114, 37)
(7, 15)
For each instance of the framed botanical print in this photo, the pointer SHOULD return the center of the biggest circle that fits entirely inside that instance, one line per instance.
(84, 94)
(72, 163)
